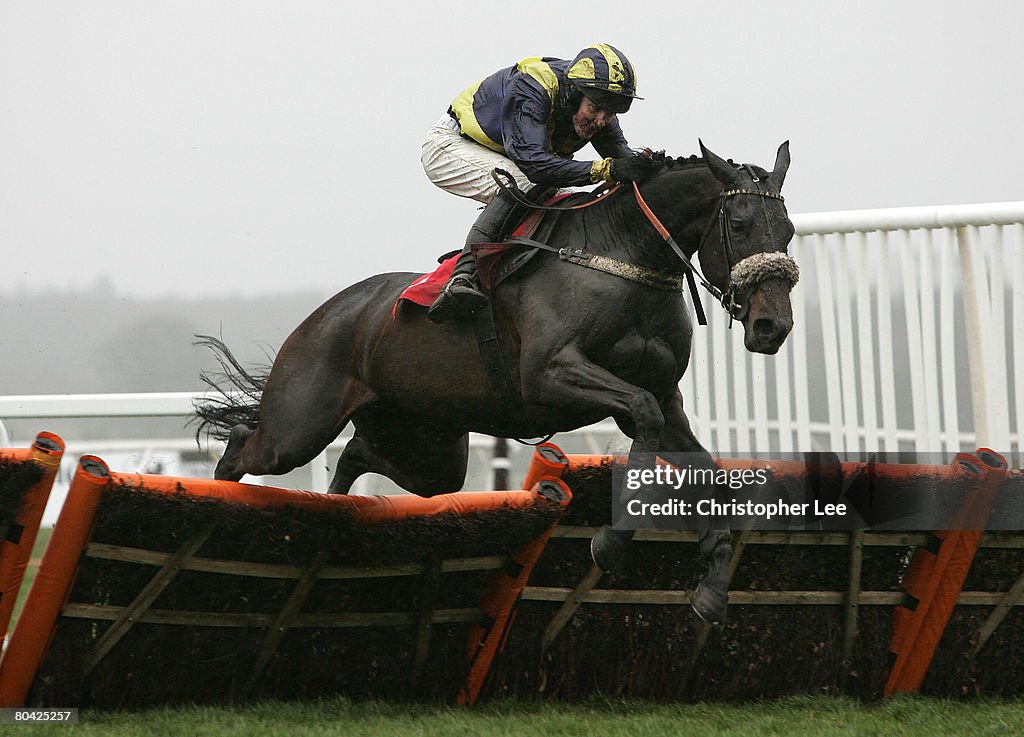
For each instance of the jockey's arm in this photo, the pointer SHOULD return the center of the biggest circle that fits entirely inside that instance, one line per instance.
(527, 139)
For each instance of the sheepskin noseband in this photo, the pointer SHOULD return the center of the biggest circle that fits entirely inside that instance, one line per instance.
(761, 267)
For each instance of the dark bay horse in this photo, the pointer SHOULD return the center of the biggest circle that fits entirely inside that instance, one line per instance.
(580, 345)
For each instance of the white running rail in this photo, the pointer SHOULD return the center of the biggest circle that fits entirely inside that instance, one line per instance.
(909, 331)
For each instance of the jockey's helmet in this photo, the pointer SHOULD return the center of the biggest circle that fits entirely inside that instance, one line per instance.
(606, 76)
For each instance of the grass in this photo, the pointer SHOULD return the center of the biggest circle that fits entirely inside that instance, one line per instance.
(798, 717)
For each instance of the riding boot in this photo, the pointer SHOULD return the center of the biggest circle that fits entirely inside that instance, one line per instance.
(462, 295)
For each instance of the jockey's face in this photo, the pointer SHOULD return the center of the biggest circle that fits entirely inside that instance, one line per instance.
(590, 118)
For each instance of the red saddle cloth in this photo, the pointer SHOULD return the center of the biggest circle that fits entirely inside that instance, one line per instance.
(425, 289)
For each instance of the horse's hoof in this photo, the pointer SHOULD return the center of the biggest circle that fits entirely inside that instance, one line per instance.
(608, 547)
(709, 605)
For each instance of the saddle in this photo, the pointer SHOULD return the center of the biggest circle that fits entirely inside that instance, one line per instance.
(496, 262)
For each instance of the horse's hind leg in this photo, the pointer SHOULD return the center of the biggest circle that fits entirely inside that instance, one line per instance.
(420, 462)
(228, 466)
(305, 406)
(355, 460)
(285, 441)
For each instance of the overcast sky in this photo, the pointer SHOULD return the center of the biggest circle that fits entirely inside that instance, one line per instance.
(201, 148)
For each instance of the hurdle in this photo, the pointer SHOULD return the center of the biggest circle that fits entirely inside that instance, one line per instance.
(836, 591)
(161, 590)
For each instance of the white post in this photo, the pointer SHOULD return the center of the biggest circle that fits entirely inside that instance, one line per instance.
(801, 383)
(886, 361)
(975, 295)
(949, 277)
(1018, 336)
(929, 342)
(844, 336)
(865, 342)
(830, 348)
(996, 365)
(909, 267)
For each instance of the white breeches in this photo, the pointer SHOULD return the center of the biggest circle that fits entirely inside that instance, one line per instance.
(461, 165)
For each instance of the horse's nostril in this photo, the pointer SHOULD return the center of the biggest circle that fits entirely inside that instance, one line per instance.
(765, 328)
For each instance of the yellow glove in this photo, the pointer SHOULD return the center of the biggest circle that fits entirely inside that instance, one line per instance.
(601, 171)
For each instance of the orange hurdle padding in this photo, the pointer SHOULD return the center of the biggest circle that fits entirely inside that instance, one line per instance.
(786, 469)
(543, 476)
(53, 581)
(362, 508)
(547, 462)
(74, 529)
(503, 590)
(936, 577)
(16, 549)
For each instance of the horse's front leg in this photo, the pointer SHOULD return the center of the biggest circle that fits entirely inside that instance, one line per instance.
(609, 546)
(572, 381)
(710, 597)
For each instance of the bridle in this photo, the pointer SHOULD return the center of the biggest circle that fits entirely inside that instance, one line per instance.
(736, 310)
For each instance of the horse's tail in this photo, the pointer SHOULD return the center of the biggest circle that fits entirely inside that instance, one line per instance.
(236, 393)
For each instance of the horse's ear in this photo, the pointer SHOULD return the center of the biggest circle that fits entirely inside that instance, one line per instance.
(724, 171)
(781, 165)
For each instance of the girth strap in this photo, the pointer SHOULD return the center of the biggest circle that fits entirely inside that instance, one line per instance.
(493, 358)
(497, 370)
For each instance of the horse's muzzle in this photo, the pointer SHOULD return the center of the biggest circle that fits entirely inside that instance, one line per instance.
(766, 335)
(762, 283)
(769, 317)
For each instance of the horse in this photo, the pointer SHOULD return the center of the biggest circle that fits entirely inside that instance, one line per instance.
(579, 345)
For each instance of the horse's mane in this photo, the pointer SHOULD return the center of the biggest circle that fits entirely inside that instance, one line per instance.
(665, 163)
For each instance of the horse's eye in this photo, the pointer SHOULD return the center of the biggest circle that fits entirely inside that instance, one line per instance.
(737, 224)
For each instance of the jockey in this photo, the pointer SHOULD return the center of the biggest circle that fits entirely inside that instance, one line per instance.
(529, 119)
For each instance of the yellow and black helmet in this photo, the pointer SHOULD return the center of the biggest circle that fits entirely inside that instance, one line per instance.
(606, 76)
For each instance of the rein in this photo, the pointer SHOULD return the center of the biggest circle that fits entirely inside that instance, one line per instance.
(727, 298)
(649, 277)
(510, 186)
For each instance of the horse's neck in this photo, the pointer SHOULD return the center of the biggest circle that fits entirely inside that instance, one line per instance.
(682, 201)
